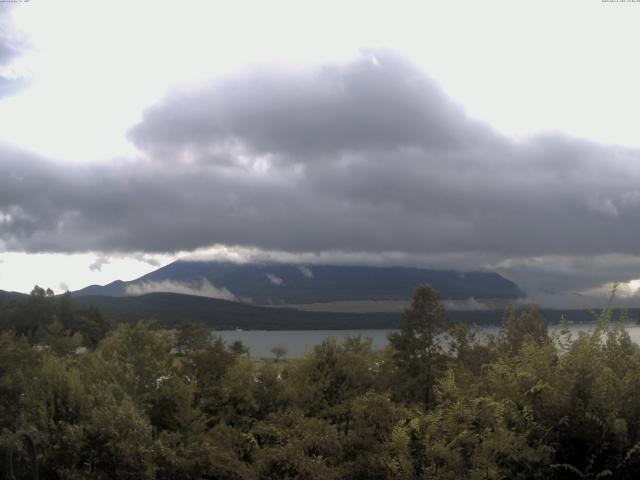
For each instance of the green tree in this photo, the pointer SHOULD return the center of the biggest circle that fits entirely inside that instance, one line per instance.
(192, 336)
(518, 329)
(137, 359)
(325, 381)
(417, 350)
(279, 352)
(238, 348)
(293, 446)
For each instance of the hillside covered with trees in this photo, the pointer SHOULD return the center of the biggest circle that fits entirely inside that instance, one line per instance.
(286, 284)
(146, 403)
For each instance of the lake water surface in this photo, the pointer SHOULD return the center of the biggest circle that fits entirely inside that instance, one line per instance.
(260, 342)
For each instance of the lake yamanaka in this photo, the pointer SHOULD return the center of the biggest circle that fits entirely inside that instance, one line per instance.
(260, 342)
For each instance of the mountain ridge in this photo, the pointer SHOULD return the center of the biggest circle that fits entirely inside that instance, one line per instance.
(283, 284)
(170, 309)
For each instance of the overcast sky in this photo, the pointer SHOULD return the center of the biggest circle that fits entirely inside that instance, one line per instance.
(494, 135)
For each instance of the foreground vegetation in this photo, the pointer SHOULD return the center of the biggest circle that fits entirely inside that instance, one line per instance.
(146, 403)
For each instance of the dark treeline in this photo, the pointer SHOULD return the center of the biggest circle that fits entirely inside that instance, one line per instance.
(44, 318)
(146, 403)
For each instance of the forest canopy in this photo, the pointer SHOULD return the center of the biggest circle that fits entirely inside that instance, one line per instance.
(143, 402)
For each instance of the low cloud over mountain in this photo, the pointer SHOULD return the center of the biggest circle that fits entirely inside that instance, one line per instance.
(204, 288)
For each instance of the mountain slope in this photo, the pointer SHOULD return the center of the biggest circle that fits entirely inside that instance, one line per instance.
(282, 284)
(113, 289)
(6, 296)
(170, 309)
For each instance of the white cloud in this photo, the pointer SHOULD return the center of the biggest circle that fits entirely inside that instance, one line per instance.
(21, 271)
(465, 305)
(306, 271)
(148, 259)
(274, 279)
(202, 289)
(98, 263)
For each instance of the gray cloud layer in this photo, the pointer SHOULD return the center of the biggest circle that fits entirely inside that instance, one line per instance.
(377, 104)
(366, 156)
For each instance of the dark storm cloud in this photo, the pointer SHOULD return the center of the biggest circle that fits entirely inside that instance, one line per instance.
(367, 156)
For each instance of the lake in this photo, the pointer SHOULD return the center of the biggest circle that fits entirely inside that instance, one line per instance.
(260, 342)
